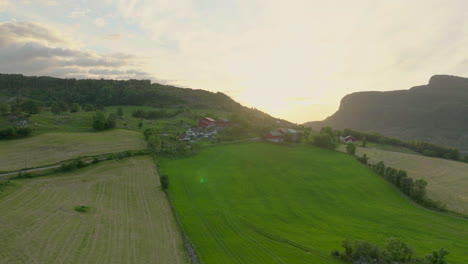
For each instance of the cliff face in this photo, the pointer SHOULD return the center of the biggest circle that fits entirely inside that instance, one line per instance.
(436, 112)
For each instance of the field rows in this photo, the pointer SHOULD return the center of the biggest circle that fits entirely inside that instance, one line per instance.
(130, 220)
(447, 179)
(261, 203)
(55, 147)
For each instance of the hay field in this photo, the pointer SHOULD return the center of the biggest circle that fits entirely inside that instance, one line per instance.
(50, 148)
(129, 221)
(447, 179)
(266, 203)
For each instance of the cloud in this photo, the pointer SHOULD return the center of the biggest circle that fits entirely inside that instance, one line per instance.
(34, 49)
(4, 5)
(113, 36)
(79, 12)
(100, 22)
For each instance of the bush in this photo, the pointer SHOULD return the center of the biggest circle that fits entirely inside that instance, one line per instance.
(164, 179)
(351, 148)
(82, 208)
(101, 122)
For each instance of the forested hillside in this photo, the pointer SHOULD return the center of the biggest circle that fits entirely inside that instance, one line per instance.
(118, 92)
(436, 112)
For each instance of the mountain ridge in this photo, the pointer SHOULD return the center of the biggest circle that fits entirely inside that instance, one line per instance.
(436, 112)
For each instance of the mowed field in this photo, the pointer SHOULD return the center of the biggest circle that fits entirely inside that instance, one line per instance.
(265, 203)
(447, 179)
(54, 147)
(130, 220)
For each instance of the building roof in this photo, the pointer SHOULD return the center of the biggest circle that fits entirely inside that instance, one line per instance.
(209, 119)
(276, 134)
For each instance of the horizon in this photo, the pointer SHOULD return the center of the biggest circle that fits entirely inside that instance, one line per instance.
(276, 57)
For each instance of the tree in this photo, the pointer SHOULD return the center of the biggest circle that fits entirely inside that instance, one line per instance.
(88, 107)
(418, 193)
(364, 142)
(155, 143)
(406, 185)
(346, 244)
(397, 251)
(30, 107)
(55, 109)
(99, 121)
(437, 257)
(351, 148)
(140, 125)
(120, 112)
(74, 108)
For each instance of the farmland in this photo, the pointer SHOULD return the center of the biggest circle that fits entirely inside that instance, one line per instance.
(448, 180)
(54, 147)
(264, 203)
(124, 218)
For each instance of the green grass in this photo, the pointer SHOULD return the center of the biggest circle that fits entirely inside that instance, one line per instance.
(131, 220)
(53, 147)
(447, 179)
(264, 203)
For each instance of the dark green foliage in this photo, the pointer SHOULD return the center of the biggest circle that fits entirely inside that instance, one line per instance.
(101, 122)
(437, 257)
(30, 107)
(394, 252)
(364, 159)
(55, 109)
(326, 138)
(72, 165)
(74, 108)
(154, 143)
(4, 184)
(140, 125)
(4, 109)
(95, 161)
(88, 107)
(155, 114)
(120, 112)
(350, 148)
(164, 179)
(14, 132)
(82, 208)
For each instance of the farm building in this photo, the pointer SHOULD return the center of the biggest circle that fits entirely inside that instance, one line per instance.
(206, 122)
(274, 136)
(222, 122)
(350, 139)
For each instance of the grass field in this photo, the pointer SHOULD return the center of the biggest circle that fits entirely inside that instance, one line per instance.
(264, 203)
(54, 147)
(129, 219)
(448, 180)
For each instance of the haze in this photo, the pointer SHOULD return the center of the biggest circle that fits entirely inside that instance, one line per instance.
(292, 59)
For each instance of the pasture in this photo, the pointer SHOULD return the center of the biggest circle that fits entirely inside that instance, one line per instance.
(265, 203)
(113, 212)
(447, 179)
(50, 148)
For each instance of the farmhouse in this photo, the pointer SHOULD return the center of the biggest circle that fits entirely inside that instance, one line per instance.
(206, 122)
(274, 136)
(350, 139)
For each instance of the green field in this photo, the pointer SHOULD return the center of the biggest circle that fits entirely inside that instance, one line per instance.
(129, 220)
(447, 179)
(264, 203)
(54, 147)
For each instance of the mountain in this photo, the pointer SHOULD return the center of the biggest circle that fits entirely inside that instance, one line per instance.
(436, 112)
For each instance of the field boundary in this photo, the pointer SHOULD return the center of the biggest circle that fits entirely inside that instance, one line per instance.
(447, 213)
(188, 245)
(101, 157)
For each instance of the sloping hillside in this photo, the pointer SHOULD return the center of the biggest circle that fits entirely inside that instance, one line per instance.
(436, 112)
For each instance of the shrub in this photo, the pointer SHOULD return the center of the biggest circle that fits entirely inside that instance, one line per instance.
(164, 179)
(351, 148)
(82, 208)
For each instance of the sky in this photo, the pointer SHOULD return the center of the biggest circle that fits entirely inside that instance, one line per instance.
(292, 59)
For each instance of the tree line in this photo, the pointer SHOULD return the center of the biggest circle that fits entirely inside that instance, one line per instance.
(425, 148)
(155, 114)
(394, 251)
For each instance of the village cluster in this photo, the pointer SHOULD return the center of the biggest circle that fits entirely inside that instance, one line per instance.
(206, 128)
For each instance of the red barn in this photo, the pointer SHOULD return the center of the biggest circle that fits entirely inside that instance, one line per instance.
(350, 139)
(222, 123)
(274, 137)
(206, 122)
